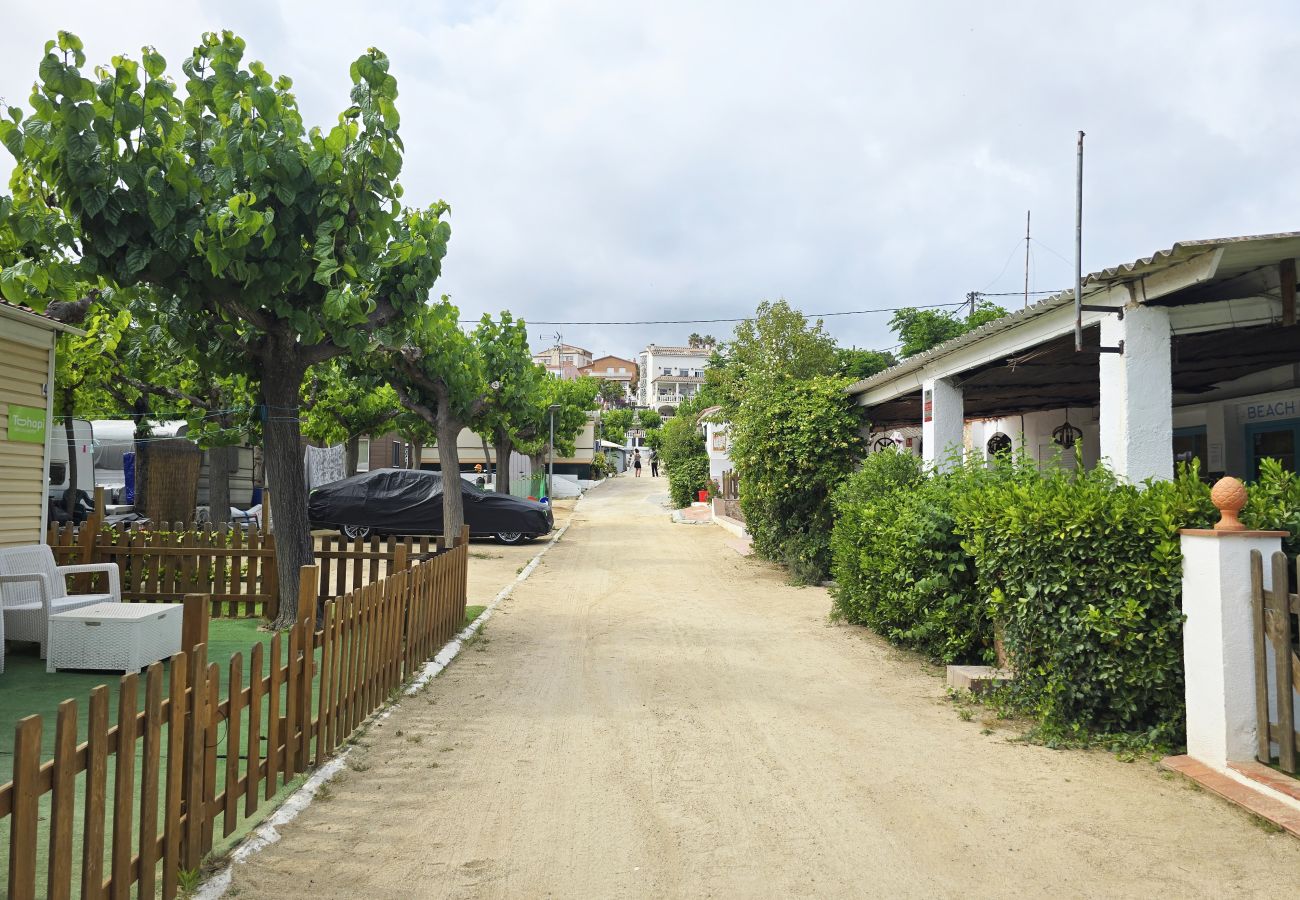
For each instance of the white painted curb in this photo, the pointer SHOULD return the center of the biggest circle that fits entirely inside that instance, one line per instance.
(268, 832)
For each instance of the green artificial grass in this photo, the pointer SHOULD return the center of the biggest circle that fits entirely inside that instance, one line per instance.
(27, 689)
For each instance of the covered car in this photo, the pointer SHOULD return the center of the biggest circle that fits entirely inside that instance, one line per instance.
(409, 501)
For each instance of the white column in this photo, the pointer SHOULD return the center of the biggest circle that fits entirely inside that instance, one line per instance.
(1219, 644)
(1137, 429)
(942, 416)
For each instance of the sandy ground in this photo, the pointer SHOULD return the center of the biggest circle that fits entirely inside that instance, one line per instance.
(651, 715)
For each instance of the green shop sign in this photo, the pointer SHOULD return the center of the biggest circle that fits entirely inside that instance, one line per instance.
(26, 424)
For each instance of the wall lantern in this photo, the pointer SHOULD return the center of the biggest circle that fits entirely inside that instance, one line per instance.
(1066, 435)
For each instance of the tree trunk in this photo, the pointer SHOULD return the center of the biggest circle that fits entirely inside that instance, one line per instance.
(286, 477)
(351, 452)
(221, 464)
(487, 458)
(453, 504)
(504, 448)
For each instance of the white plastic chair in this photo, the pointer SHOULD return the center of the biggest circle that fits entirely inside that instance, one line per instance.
(33, 587)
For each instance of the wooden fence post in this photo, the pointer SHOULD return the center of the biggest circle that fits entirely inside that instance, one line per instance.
(401, 557)
(307, 613)
(26, 809)
(194, 621)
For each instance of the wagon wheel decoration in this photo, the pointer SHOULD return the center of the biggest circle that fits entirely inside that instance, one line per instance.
(999, 443)
(884, 443)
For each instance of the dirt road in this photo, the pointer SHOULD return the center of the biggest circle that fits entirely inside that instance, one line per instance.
(652, 716)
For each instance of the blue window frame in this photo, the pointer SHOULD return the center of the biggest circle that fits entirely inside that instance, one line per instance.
(1279, 440)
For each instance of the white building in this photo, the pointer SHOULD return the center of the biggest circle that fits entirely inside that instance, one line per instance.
(1189, 353)
(670, 375)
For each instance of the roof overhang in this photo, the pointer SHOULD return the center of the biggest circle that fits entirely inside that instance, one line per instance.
(30, 317)
(1190, 273)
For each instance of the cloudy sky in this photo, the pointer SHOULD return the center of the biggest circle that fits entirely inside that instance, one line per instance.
(685, 159)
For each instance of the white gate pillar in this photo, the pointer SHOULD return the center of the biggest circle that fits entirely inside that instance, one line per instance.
(1218, 636)
(1136, 391)
(942, 417)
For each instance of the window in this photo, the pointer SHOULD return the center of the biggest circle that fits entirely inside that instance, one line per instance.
(609, 370)
(667, 370)
(397, 454)
(363, 455)
(1273, 440)
(622, 370)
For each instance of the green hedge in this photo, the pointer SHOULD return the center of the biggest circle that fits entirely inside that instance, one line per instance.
(1082, 572)
(898, 564)
(1085, 574)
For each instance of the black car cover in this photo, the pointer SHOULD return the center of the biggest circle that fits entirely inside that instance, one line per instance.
(409, 501)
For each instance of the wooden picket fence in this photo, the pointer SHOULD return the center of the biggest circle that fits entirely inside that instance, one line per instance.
(235, 568)
(1275, 699)
(287, 712)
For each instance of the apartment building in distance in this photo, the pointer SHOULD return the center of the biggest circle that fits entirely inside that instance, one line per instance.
(563, 360)
(670, 375)
(616, 369)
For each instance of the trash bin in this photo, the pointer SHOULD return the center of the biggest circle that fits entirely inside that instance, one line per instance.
(704, 496)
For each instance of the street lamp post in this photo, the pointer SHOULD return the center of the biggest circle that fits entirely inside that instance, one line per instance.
(550, 471)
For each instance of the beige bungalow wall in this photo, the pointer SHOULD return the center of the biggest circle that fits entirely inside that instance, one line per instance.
(25, 354)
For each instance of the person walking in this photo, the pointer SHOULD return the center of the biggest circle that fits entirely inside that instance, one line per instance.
(654, 466)
(636, 463)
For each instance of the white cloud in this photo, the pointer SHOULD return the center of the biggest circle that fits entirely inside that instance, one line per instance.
(685, 160)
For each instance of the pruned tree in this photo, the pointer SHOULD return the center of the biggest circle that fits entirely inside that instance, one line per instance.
(516, 387)
(342, 402)
(439, 375)
(276, 247)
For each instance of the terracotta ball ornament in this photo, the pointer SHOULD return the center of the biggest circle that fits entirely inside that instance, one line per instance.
(1229, 495)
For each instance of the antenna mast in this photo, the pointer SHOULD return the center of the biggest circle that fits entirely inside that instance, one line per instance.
(1027, 257)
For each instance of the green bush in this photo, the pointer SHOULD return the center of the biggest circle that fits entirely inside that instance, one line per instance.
(1085, 574)
(792, 445)
(680, 447)
(898, 562)
(686, 478)
(1082, 572)
(1273, 504)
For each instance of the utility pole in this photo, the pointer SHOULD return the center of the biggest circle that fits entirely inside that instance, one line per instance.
(1027, 257)
(973, 299)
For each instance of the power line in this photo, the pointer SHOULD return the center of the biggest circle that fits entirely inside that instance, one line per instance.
(824, 315)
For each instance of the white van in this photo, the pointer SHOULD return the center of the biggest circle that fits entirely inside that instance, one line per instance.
(84, 436)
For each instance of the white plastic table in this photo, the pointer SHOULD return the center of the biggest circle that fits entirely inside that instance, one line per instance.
(123, 637)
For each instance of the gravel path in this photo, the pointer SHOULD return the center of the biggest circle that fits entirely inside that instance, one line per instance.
(652, 716)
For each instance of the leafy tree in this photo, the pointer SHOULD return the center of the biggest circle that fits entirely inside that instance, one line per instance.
(778, 343)
(516, 388)
(276, 247)
(615, 423)
(650, 419)
(792, 446)
(611, 392)
(859, 364)
(342, 402)
(921, 329)
(220, 409)
(440, 376)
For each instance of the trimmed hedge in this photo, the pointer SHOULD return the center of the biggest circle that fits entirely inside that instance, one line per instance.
(1082, 572)
(898, 563)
